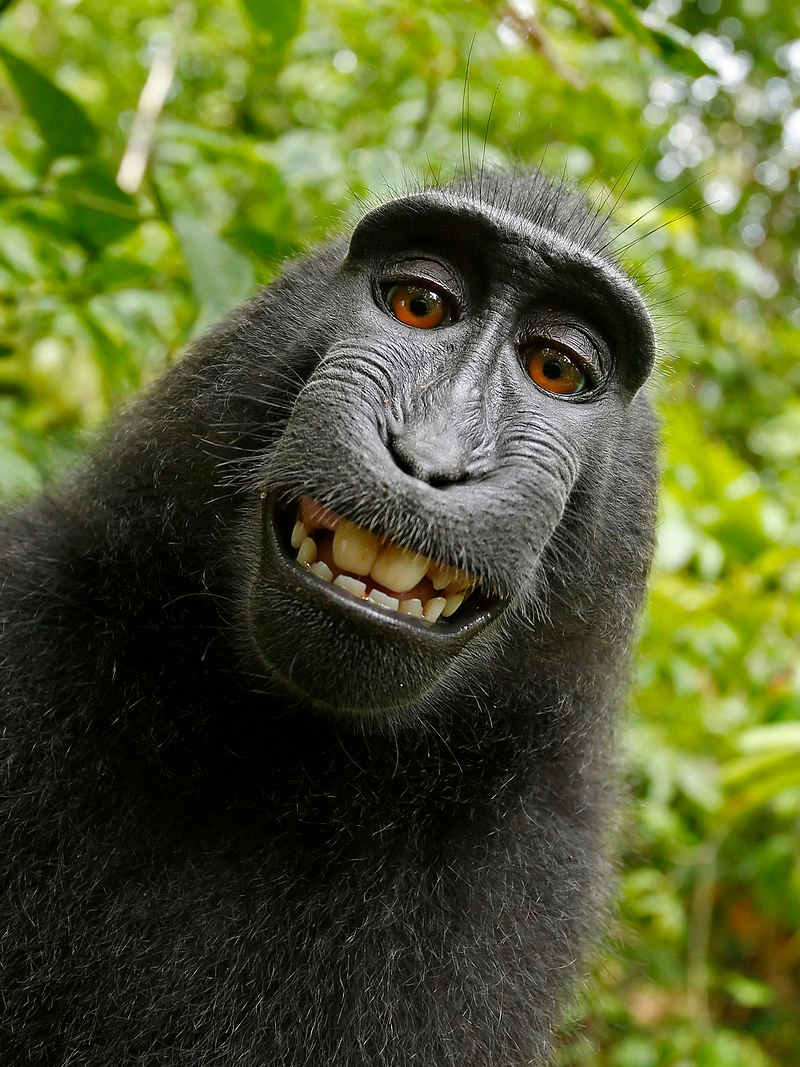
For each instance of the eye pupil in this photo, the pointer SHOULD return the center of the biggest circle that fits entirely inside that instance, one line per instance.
(420, 305)
(553, 369)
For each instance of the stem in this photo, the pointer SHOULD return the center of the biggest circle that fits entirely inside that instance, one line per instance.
(702, 909)
(152, 98)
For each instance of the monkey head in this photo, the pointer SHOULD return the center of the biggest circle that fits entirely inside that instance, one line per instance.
(473, 363)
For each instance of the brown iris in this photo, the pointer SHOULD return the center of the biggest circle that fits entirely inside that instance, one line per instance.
(416, 306)
(552, 369)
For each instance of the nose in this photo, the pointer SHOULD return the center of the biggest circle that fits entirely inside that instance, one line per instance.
(432, 452)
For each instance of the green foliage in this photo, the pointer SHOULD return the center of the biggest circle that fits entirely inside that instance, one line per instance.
(248, 128)
(63, 123)
(280, 19)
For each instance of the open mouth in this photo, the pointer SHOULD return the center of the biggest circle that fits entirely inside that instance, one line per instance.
(377, 570)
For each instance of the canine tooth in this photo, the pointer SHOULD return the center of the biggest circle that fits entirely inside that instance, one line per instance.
(434, 607)
(450, 579)
(385, 601)
(321, 570)
(413, 606)
(440, 575)
(399, 568)
(352, 585)
(299, 534)
(452, 603)
(354, 549)
(307, 552)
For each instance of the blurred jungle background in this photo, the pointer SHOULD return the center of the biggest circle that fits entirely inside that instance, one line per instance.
(158, 160)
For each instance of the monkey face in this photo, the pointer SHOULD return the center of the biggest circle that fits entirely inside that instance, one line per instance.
(475, 364)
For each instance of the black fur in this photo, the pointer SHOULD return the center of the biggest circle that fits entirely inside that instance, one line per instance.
(247, 822)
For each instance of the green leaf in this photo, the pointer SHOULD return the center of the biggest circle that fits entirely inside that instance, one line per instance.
(675, 47)
(671, 41)
(748, 992)
(279, 18)
(99, 211)
(62, 122)
(766, 766)
(777, 736)
(769, 767)
(20, 252)
(119, 368)
(262, 244)
(221, 277)
(626, 16)
(17, 473)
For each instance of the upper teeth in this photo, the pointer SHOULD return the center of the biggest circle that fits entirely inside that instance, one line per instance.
(358, 561)
(354, 549)
(399, 569)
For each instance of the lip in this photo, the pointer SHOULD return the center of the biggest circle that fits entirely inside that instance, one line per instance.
(471, 618)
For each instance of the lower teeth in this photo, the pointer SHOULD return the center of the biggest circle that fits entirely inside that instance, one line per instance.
(352, 585)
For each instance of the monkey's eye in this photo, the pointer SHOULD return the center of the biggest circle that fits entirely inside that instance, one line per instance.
(417, 306)
(552, 370)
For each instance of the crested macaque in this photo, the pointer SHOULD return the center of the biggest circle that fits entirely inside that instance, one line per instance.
(310, 673)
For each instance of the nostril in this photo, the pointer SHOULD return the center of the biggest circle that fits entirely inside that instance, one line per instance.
(438, 459)
(439, 482)
(401, 460)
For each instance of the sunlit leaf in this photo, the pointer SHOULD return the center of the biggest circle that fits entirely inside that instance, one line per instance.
(17, 472)
(675, 46)
(774, 737)
(749, 993)
(19, 252)
(762, 767)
